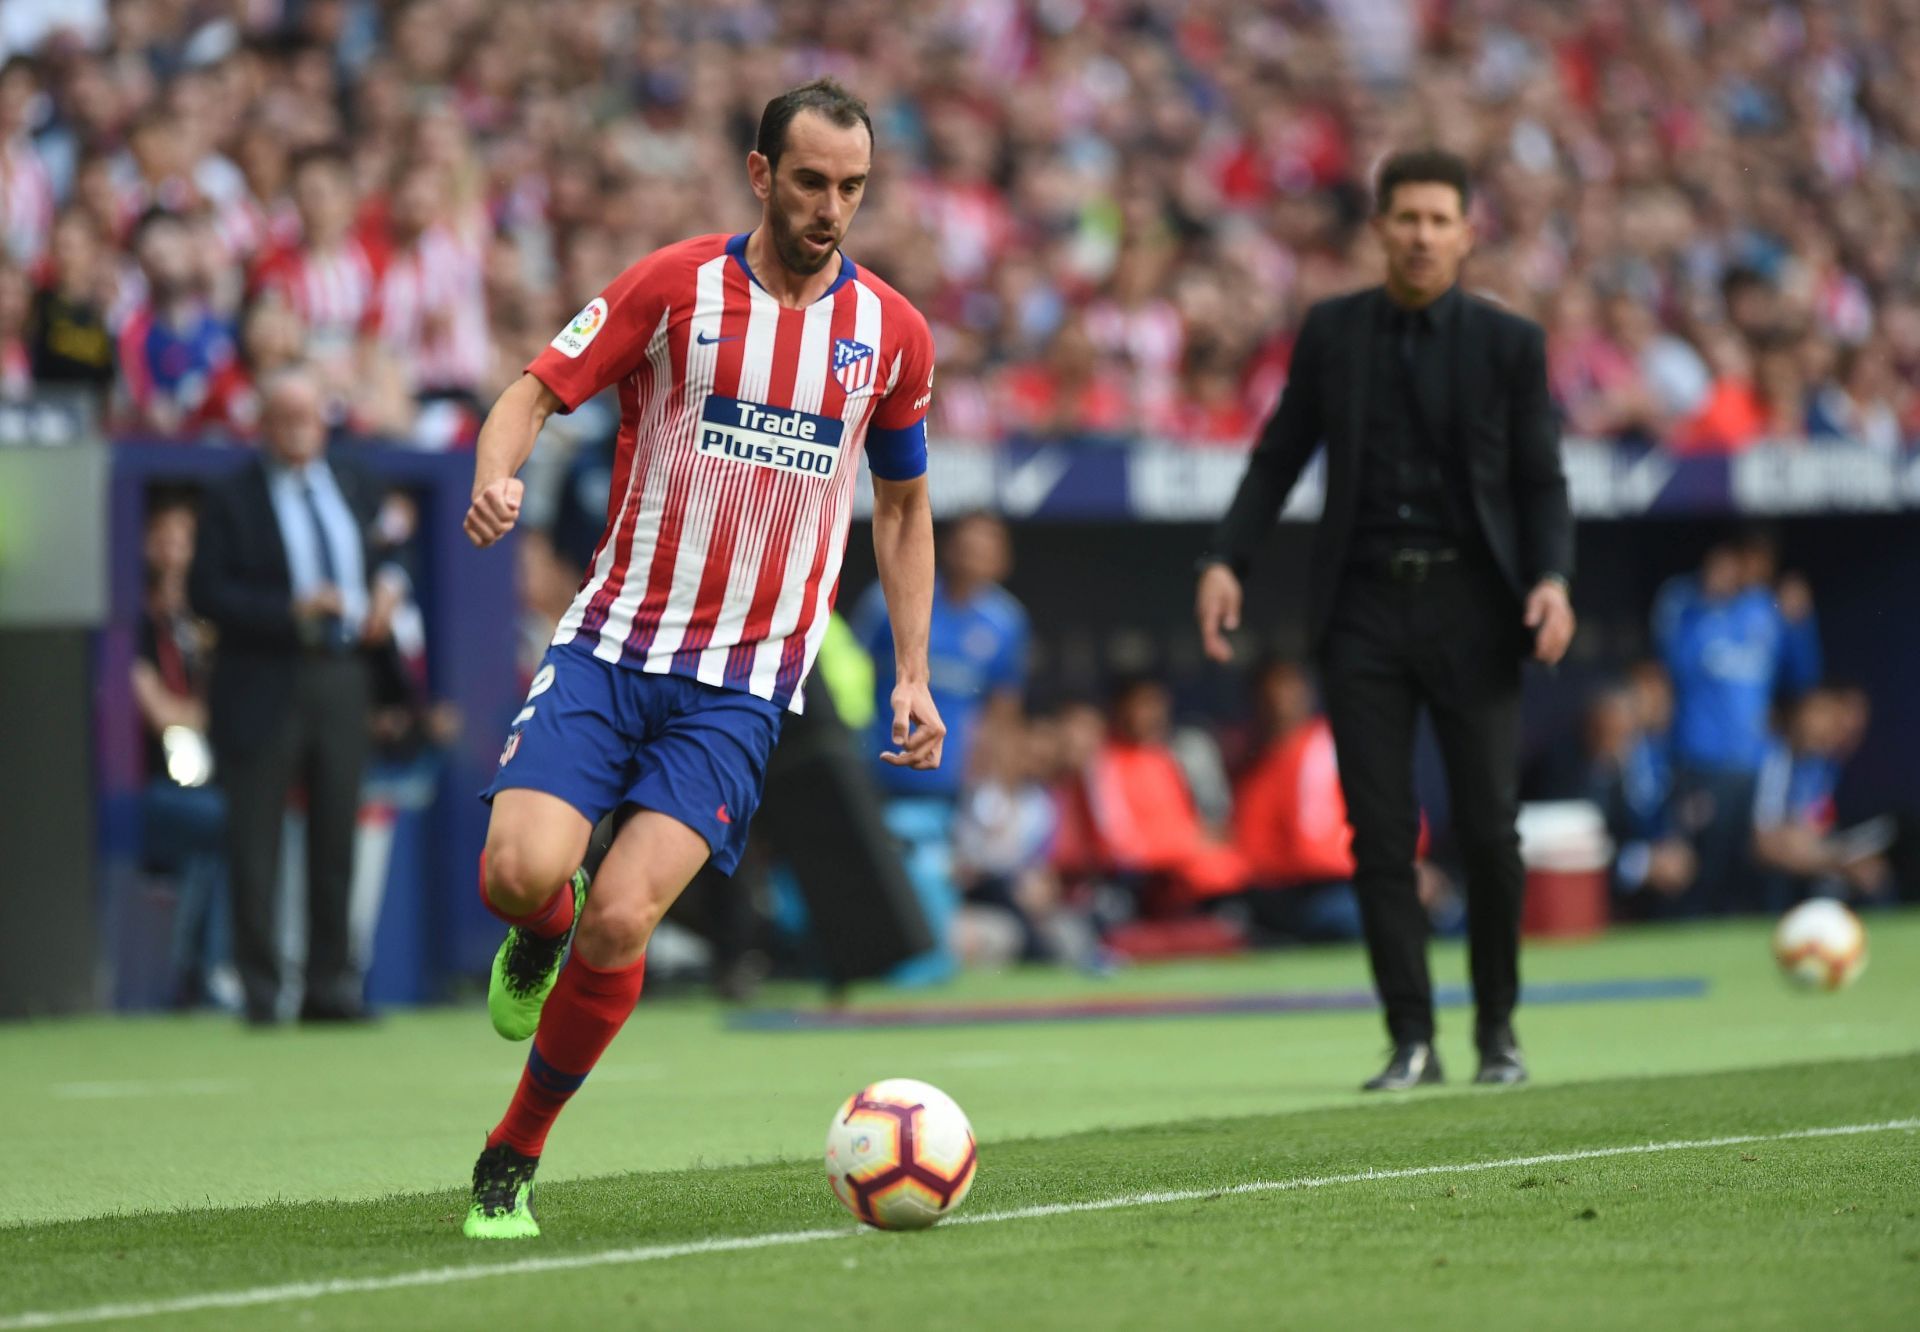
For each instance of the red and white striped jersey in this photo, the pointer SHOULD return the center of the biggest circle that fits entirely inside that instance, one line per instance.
(741, 425)
(335, 293)
(433, 309)
(26, 202)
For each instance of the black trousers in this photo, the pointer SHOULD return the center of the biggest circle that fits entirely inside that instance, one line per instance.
(1452, 643)
(319, 745)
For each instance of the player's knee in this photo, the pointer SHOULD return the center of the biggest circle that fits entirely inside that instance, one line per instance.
(517, 883)
(615, 930)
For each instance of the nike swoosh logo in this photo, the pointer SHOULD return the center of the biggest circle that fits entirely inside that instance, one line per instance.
(706, 341)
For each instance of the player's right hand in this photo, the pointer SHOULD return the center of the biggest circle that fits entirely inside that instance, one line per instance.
(494, 511)
(1217, 607)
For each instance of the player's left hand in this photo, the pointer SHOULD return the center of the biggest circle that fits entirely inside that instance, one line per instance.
(1550, 616)
(918, 732)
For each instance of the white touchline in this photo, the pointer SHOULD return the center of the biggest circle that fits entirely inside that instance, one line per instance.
(441, 1276)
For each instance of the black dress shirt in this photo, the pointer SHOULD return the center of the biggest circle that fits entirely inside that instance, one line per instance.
(1406, 498)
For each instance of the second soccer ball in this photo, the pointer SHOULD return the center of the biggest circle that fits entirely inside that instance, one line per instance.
(1820, 945)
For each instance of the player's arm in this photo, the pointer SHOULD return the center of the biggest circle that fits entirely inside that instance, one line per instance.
(903, 548)
(598, 347)
(903, 543)
(505, 444)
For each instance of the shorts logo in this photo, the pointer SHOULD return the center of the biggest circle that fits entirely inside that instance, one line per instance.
(853, 364)
(573, 339)
(512, 747)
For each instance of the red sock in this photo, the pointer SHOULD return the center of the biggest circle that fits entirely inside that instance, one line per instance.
(549, 922)
(583, 1014)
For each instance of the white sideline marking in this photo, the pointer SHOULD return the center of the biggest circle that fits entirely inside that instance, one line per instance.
(442, 1276)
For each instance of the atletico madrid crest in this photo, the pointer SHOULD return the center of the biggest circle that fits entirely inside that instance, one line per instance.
(853, 364)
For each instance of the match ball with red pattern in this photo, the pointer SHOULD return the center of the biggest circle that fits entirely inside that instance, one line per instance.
(1820, 945)
(900, 1154)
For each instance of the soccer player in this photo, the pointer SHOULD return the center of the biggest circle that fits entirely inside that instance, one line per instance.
(751, 371)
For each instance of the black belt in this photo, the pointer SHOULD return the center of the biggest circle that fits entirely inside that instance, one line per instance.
(1410, 565)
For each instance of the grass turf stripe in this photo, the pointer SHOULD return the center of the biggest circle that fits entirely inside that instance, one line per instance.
(659, 1252)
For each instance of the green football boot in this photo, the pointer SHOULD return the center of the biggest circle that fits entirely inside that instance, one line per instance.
(502, 1196)
(524, 971)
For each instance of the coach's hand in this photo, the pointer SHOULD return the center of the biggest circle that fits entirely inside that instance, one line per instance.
(918, 732)
(494, 511)
(1217, 607)
(1550, 616)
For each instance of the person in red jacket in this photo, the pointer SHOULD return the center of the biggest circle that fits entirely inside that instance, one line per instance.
(1290, 819)
(1144, 819)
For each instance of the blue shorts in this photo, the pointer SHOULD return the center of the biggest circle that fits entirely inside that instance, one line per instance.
(600, 735)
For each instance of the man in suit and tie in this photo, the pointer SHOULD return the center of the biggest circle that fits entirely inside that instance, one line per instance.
(283, 571)
(1441, 559)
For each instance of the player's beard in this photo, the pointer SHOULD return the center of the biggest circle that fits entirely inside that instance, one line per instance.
(793, 252)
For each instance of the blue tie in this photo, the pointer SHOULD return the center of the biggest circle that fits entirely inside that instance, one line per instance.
(333, 629)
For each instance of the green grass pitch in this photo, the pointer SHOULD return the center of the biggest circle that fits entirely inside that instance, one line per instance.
(186, 1173)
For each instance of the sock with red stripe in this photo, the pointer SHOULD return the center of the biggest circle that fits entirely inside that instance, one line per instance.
(550, 921)
(586, 1010)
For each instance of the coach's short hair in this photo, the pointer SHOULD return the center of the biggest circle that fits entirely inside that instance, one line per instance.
(825, 96)
(1422, 166)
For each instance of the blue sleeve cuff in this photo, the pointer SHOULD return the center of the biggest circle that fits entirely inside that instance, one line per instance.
(898, 455)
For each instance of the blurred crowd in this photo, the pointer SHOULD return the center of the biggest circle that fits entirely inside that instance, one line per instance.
(1113, 213)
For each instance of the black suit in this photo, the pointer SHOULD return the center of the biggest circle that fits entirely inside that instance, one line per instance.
(1445, 504)
(285, 710)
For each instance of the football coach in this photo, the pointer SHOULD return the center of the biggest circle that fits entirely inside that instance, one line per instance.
(1442, 558)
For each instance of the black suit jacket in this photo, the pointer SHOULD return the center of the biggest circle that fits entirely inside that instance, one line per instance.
(241, 584)
(1503, 442)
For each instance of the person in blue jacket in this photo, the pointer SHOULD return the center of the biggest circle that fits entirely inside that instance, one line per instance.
(1732, 641)
(977, 650)
(977, 671)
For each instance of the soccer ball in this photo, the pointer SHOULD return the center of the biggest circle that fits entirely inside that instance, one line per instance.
(1820, 945)
(900, 1154)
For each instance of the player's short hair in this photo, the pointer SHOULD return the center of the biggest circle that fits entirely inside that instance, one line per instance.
(825, 96)
(1422, 166)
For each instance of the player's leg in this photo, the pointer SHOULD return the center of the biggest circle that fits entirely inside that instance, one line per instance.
(651, 862)
(698, 784)
(565, 763)
(530, 877)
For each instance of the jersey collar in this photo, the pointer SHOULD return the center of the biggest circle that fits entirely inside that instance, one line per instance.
(737, 247)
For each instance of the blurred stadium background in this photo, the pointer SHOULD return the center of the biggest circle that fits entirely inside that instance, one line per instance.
(1114, 215)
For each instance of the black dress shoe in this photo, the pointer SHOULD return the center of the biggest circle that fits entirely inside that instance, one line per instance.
(1413, 1064)
(1500, 1064)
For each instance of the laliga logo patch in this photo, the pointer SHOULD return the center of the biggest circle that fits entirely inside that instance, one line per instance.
(853, 364)
(573, 339)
